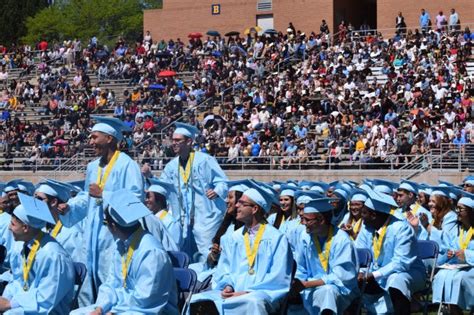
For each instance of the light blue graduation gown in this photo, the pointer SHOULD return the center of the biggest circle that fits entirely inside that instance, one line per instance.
(154, 225)
(266, 287)
(340, 280)
(398, 264)
(151, 285)
(98, 242)
(71, 239)
(51, 280)
(171, 223)
(455, 286)
(199, 215)
(421, 232)
(6, 236)
(448, 226)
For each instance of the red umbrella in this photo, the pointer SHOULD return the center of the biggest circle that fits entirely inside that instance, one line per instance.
(195, 35)
(167, 73)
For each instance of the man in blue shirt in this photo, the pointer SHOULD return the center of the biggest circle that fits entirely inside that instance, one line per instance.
(424, 20)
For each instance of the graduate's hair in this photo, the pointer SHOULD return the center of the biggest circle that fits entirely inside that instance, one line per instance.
(228, 219)
(294, 213)
(444, 205)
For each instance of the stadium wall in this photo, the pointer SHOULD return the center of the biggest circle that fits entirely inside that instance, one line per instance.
(429, 177)
(178, 18)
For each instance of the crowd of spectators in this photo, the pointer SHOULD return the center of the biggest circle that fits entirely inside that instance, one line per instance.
(280, 98)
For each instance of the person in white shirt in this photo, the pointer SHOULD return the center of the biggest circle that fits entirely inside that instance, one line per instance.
(453, 20)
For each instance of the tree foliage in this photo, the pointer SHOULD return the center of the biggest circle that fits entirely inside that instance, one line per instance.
(106, 19)
(13, 15)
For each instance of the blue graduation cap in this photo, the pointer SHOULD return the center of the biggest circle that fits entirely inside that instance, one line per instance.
(384, 186)
(469, 180)
(320, 186)
(304, 196)
(186, 130)
(288, 190)
(423, 188)
(409, 186)
(292, 183)
(467, 199)
(380, 202)
(276, 185)
(319, 205)
(305, 184)
(33, 212)
(161, 187)
(124, 207)
(261, 195)
(272, 193)
(445, 191)
(78, 185)
(20, 185)
(110, 125)
(239, 185)
(358, 195)
(55, 189)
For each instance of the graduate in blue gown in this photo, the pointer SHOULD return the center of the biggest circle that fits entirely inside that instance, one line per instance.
(113, 170)
(160, 200)
(396, 272)
(202, 189)
(9, 201)
(141, 278)
(352, 222)
(46, 285)
(456, 287)
(53, 193)
(326, 272)
(254, 269)
(444, 219)
(228, 226)
(410, 209)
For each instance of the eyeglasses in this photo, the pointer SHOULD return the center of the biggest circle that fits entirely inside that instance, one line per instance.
(459, 210)
(245, 204)
(178, 141)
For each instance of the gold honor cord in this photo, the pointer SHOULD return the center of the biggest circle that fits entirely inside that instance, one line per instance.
(186, 173)
(324, 255)
(131, 249)
(163, 214)
(101, 180)
(378, 241)
(56, 229)
(464, 240)
(252, 253)
(414, 211)
(357, 225)
(28, 262)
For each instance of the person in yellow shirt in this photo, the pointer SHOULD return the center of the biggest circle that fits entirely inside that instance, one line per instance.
(359, 150)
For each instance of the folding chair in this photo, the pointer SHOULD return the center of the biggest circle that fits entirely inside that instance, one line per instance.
(186, 280)
(364, 257)
(179, 259)
(80, 272)
(427, 250)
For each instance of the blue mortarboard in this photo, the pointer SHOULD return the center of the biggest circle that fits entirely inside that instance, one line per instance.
(305, 184)
(445, 191)
(409, 186)
(55, 189)
(319, 205)
(77, 184)
(342, 190)
(467, 199)
(20, 185)
(288, 190)
(124, 207)
(333, 184)
(304, 196)
(276, 185)
(423, 188)
(291, 183)
(445, 183)
(186, 130)
(11, 185)
(161, 187)
(320, 186)
(110, 125)
(469, 180)
(384, 186)
(358, 195)
(239, 185)
(380, 202)
(272, 193)
(33, 212)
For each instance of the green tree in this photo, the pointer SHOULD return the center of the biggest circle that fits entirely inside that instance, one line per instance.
(13, 15)
(106, 19)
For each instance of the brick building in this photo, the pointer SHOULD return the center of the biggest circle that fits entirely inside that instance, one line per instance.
(178, 18)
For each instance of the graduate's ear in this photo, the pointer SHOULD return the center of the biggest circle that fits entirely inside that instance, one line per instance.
(54, 202)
